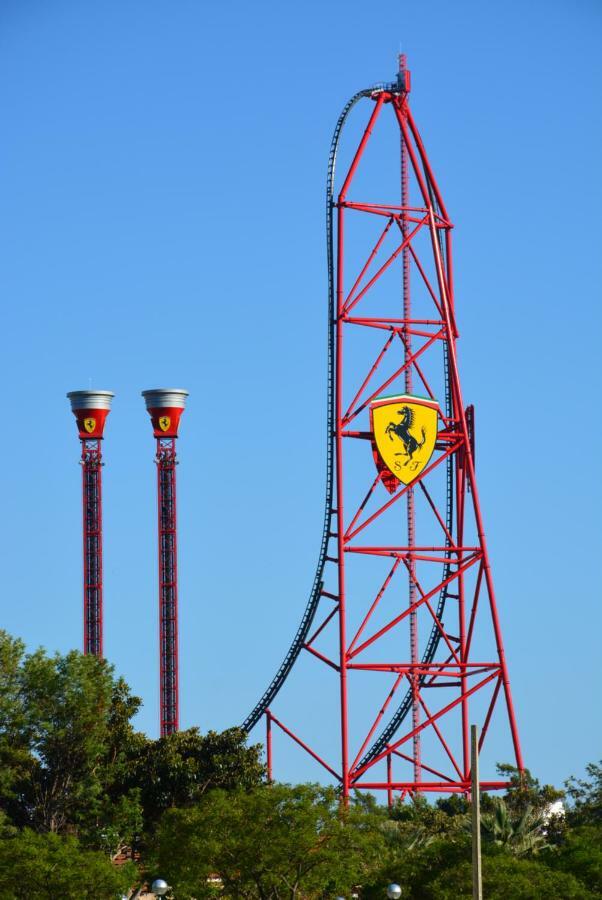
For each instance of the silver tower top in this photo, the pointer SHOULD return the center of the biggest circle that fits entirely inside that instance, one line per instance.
(160, 398)
(90, 399)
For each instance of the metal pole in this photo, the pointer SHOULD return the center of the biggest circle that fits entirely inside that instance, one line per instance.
(389, 781)
(268, 743)
(477, 881)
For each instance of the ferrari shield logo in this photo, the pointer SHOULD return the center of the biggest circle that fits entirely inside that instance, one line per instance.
(404, 429)
(90, 425)
(164, 423)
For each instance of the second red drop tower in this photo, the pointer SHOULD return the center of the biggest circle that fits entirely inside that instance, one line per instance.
(165, 406)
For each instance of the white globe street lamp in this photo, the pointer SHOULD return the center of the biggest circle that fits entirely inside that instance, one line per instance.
(159, 887)
(393, 892)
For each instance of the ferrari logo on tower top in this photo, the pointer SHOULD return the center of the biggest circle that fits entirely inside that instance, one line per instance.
(164, 423)
(404, 430)
(90, 425)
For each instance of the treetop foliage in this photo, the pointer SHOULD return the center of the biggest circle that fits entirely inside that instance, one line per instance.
(90, 807)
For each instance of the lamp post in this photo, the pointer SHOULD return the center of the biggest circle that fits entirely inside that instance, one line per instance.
(393, 892)
(159, 887)
(475, 798)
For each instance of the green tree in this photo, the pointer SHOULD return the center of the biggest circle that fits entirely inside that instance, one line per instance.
(414, 825)
(14, 749)
(506, 878)
(415, 868)
(71, 761)
(586, 796)
(580, 854)
(521, 833)
(45, 866)
(65, 736)
(525, 790)
(178, 769)
(273, 842)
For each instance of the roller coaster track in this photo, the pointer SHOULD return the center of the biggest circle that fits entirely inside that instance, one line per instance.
(301, 635)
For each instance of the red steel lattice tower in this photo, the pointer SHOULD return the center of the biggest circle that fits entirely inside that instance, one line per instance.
(165, 406)
(91, 409)
(403, 608)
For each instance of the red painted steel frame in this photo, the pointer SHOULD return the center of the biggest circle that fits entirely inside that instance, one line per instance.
(457, 669)
(92, 535)
(168, 585)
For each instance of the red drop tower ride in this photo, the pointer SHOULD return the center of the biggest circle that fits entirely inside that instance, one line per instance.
(402, 619)
(165, 406)
(91, 409)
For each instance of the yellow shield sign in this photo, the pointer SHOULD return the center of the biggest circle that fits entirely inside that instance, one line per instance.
(405, 431)
(164, 423)
(90, 425)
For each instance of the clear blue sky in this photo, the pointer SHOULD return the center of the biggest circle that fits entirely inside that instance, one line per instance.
(162, 172)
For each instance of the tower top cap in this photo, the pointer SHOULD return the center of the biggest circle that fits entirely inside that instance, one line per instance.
(90, 399)
(161, 398)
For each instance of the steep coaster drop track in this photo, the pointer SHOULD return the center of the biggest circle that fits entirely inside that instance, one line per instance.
(309, 613)
(455, 441)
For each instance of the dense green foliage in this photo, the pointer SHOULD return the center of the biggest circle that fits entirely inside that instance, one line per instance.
(81, 791)
(274, 842)
(78, 779)
(49, 865)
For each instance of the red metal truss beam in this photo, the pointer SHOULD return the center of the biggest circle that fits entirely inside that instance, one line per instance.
(378, 718)
(426, 768)
(445, 669)
(373, 369)
(321, 656)
(405, 243)
(305, 746)
(385, 322)
(333, 612)
(426, 723)
(410, 609)
(437, 731)
(401, 493)
(368, 263)
(372, 608)
(352, 414)
(432, 787)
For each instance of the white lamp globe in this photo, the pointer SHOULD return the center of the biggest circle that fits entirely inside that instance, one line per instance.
(393, 892)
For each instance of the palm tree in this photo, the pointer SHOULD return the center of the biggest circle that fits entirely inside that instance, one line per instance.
(521, 834)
